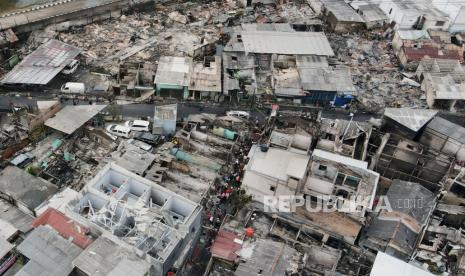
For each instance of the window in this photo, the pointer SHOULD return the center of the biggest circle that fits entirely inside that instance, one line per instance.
(272, 188)
(340, 179)
(234, 58)
(352, 181)
(440, 23)
(410, 147)
(390, 11)
(322, 168)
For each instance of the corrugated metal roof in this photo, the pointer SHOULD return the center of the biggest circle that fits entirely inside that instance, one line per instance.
(173, 71)
(298, 43)
(49, 253)
(413, 34)
(70, 118)
(413, 119)
(225, 246)
(42, 65)
(327, 79)
(448, 128)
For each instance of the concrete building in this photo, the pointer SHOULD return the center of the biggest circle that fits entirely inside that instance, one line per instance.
(260, 59)
(372, 14)
(395, 231)
(279, 170)
(164, 119)
(156, 224)
(455, 9)
(395, 157)
(441, 68)
(205, 81)
(173, 77)
(415, 15)
(24, 190)
(442, 92)
(341, 17)
(446, 137)
(343, 177)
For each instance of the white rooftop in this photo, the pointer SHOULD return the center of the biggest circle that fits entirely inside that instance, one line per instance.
(388, 265)
(413, 119)
(298, 43)
(340, 159)
(278, 163)
(70, 118)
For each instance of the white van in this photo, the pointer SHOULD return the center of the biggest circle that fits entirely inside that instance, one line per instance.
(74, 88)
(137, 125)
(118, 130)
(239, 114)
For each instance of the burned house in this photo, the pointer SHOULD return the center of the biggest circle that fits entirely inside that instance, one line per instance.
(396, 228)
(205, 80)
(440, 68)
(258, 59)
(42, 65)
(173, 77)
(455, 9)
(135, 80)
(348, 180)
(278, 169)
(341, 17)
(326, 85)
(386, 264)
(24, 190)
(138, 214)
(443, 92)
(445, 137)
(407, 122)
(345, 137)
(372, 14)
(395, 157)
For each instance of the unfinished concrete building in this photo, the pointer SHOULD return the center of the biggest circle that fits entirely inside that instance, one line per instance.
(395, 157)
(334, 177)
(341, 17)
(395, 231)
(345, 137)
(138, 214)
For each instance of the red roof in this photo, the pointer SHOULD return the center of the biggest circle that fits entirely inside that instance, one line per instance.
(225, 247)
(65, 226)
(417, 54)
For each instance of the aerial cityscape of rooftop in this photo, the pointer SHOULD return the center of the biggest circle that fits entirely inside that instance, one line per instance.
(232, 137)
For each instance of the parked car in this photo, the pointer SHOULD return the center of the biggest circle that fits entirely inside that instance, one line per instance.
(138, 125)
(239, 114)
(118, 130)
(140, 144)
(74, 88)
(147, 137)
